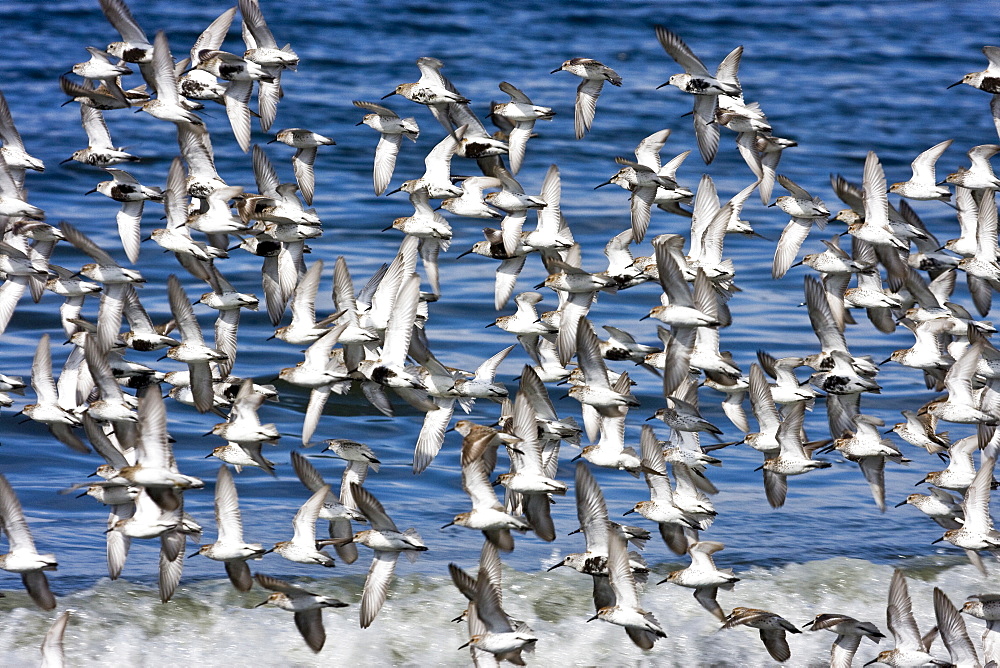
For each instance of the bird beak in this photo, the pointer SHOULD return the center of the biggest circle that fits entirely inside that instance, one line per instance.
(463, 255)
(80, 496)
(66, 160)
(273, 140)
(193, 554)
(593, 618)
(651, 417)
(665, 83)
(389, 95)
(558, 69)
(492, 324)
(576, 457)
(90, 191)
(606, 183)
(553, 567)
(449, 524)
(885, 361)
(951, 86)
(359, 123)
(260, 604)
(938, 540)
(644, 317)
(386, 229)
(628, 512)
(901, 503)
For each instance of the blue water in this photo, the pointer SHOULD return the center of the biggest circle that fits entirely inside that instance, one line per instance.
(840, 78)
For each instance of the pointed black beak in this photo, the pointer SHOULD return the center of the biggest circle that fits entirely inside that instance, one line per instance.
(901, 503)
(389, 95)
(63, 162)
(90, 192)
(957, 83)
(606, 183)
(558, 69)
(665, 83)
(553, 567)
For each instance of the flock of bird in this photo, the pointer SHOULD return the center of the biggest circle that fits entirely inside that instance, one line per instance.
(376, 339)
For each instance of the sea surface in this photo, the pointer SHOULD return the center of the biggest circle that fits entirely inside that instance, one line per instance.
(840, 78)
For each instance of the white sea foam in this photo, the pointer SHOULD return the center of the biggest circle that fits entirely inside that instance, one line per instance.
(210, 624)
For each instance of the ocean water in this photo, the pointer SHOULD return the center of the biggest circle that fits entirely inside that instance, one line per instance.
(840, 78)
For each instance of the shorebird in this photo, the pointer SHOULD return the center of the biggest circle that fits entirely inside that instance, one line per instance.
(772, 628)
(305, 142)
(923, 184)
(307, 606)
(910, 648)
(849, 632)
(706, 88)
(987, 80)
(641, 626)
(391, 129)
(594, 74)
(491, 629)
(387, 541)
(302, 548)
(703, 576)
(229, 546)
(522, 113)
(23, 558)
